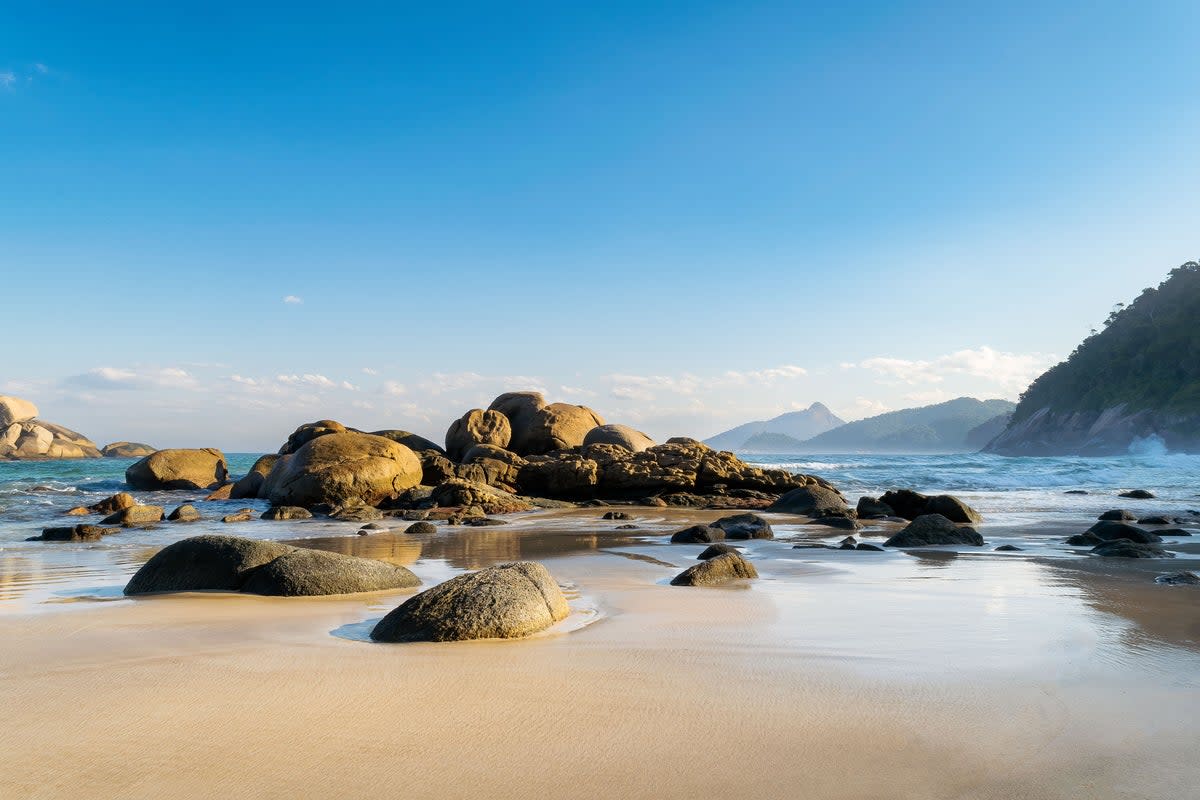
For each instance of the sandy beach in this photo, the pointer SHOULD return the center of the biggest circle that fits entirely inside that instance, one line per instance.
(837, 677)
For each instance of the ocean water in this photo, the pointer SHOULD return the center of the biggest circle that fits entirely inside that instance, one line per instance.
(1022, 500)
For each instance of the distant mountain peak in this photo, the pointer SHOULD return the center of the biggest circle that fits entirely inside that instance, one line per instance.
(800, 424)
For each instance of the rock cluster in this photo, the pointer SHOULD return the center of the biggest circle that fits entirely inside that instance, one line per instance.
(24, 436)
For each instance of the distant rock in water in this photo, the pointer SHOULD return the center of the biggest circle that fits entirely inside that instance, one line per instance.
(179, 469)
(24, 436)
(127, 450)
(1137, 380)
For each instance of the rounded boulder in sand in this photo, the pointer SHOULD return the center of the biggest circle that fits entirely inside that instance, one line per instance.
(179, 468)
(302, 573)
(203, 563)
(343, 469)
(506, 601)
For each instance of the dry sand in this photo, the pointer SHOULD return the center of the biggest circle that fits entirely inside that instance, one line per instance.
(670, 692)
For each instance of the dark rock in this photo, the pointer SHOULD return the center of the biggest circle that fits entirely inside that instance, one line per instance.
(1178, 579)
(698, 534)
(1174, 532)
(812, 501)
(1138, 494)
(501, 602)
(314, 572)
(865, 546)
(905, 502)
(1156, 520)
(1118, 515)
(952, 509)
(185, 513)
(421, 527)
(873, 508)
(714, 550)
(418, 444)
(1009, 548)
(716, 571)
(203, 563)
(1075, 491)
(627, 527)
(616, 515)
(355, 513)
(286, 513)
(1084, 540)
(1123, 548)
(1109, 530)
(484, 522)
(74, 533)
(744, 526)
(934, 529)
(843, 523)
(849, 543)
(135, 515)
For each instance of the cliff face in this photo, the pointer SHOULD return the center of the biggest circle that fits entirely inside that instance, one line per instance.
(1136, 379)
(1111, 431)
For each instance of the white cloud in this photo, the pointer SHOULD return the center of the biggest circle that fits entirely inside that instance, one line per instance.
(394, 389)
(8, 79)
(369, 371)
(1010, 371)
(135, 378)
(293, 300)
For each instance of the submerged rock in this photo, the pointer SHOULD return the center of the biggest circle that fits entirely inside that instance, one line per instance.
(1108, 530)
(421, 527)
(1138, 494)
(873, 508)
(1118, 515)
(615, 515)
(1178, 579)
(1123, 548)
(355, 513)
(241, 515)
(744, 526)
(1157, 520)
(501, 602)
(73, 533)
(1009, 548)
(716, 571)
(909, 504)
(841, 523)
(867, 546)
(934, 529)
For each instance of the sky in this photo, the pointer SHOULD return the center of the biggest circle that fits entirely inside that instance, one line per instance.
(218, 221)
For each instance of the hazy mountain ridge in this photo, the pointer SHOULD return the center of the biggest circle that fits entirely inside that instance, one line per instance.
(947, 427)
(1137, 378)
(797, 425)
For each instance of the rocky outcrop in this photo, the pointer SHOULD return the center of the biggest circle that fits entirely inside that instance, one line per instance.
(621, 435)
(457, 492)
(343, 468)
(1105, 432)
(231, 564)
(179, 469)
(38, 439)
(934, 529)
(475, 427)
(251, 484)
(14, 409)
(501, 602)
(910, 505)
(716, 571)
(127, 450)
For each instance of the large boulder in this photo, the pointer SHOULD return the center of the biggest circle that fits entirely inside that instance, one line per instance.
(557, 426)
(501, 602)
(475, 427)
(521, 408)
(203, 563)
(698, 534)
(812, 501)
(179, 469)
(304, 572)
(251, 484)
(745, 526)
(952, 509)
(905, 503)
(716, 571)
(127, 450)
(873, 508)
(1118, 515)
(343, 469)
(412, 441)
(134, 516)
(621, 435)
(934, 529)
(309, 431)
(14, 409)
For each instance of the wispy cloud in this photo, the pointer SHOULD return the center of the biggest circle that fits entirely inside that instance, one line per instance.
(1011, 371)
(135, 378)
(8, 79)
(292, 300)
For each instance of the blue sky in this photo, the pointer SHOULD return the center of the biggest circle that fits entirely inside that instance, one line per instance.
(683, 214)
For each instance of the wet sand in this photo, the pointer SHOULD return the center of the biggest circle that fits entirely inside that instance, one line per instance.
(838, 675)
